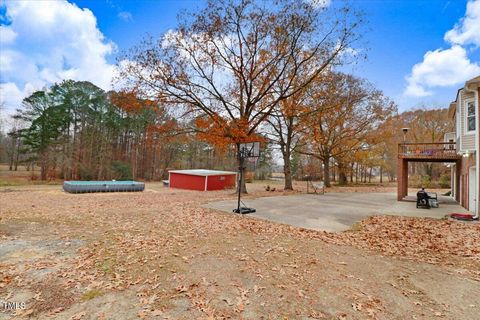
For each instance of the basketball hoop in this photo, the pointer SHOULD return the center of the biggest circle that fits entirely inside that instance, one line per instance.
(249, 151)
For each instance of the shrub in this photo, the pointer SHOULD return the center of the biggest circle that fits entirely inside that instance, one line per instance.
(427, 182)
(419, 181)
(415, 181)
(444, 180)
(122, 171)
(86, 173)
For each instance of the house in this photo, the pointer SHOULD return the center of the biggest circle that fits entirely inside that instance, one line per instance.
(464, 112)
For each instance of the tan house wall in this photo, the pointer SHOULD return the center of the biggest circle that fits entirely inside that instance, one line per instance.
(467, 140)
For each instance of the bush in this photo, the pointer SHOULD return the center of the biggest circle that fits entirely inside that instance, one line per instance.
(122, 171)
(427, 182)
(86, 173)
(419, 181)
(444, 180)
(415, 181)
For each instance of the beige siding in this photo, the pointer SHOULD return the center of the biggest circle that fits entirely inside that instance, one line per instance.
(467, 140)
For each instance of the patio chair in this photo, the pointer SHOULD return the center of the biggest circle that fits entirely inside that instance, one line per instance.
(427, 199)
(422, 199)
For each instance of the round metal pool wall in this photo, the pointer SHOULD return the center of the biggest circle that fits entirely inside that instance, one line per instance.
(102, 186)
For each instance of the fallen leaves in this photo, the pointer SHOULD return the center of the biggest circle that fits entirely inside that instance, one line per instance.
(424, 239)
(357, 306)
(78, 316)
(123, 252)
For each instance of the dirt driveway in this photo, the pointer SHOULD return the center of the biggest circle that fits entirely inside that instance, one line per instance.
(335, 211)
(161, 255)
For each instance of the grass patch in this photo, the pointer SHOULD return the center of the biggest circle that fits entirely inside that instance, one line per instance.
(91, 294)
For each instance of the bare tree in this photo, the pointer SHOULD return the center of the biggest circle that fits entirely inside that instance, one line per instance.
(353, 109)
(233, 62)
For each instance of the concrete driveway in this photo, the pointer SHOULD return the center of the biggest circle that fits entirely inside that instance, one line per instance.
(335, 211)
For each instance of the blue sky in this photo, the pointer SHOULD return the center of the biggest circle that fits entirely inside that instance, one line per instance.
(45, 41)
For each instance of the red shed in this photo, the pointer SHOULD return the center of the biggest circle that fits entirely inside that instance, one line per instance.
(202, 180)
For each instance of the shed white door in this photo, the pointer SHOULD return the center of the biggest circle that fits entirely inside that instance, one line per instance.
(472, 189)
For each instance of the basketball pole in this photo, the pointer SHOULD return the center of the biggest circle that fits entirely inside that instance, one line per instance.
(243, 153)
(242, 159)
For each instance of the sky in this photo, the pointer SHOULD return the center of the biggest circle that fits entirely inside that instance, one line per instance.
(419, 52)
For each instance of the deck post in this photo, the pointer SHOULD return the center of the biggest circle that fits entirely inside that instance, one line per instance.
(405, 178)
(402, 179)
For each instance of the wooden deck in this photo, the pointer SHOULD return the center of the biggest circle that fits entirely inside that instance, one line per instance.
(424, 152)
(431, 152)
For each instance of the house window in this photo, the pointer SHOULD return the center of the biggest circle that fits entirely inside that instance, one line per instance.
(470, 116)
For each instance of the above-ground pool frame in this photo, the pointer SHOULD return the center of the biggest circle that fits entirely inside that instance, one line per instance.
(102, 186)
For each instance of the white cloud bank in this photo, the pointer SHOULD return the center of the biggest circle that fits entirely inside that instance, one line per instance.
(47, 42)
(448, 67)
(441, 68)
(467, 31)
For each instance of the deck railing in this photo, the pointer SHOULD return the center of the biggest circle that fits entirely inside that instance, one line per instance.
(426, 150)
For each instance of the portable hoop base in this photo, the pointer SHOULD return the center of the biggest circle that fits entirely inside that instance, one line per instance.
(244, 210)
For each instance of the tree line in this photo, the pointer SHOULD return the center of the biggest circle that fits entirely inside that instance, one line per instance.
(233, 72)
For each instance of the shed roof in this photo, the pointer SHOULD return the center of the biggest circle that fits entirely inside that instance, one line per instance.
(203, 172)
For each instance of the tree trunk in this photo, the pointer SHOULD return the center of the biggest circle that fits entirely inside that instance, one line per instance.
(333, 172)
(356, 173)
(370, 175)
(287, 169)
(17, 154)
(429, 170)
(12, 154)
(342, 176)
(351, 172)
(381, 174)
(43, 167)
(326, 172)
(288, 176)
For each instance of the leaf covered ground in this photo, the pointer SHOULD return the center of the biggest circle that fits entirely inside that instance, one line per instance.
(160, 255)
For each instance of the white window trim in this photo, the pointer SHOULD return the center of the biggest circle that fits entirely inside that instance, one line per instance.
(465, 109)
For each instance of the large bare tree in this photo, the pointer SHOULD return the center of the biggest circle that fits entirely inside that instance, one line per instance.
(232, 62)
(352, 110)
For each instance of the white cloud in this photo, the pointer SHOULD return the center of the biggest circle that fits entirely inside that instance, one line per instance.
(11, 95)
(441, 68)
(49, 41)
(467, 31)
(415, 90)
(7, 35)
(452, 66)
(125, 16)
